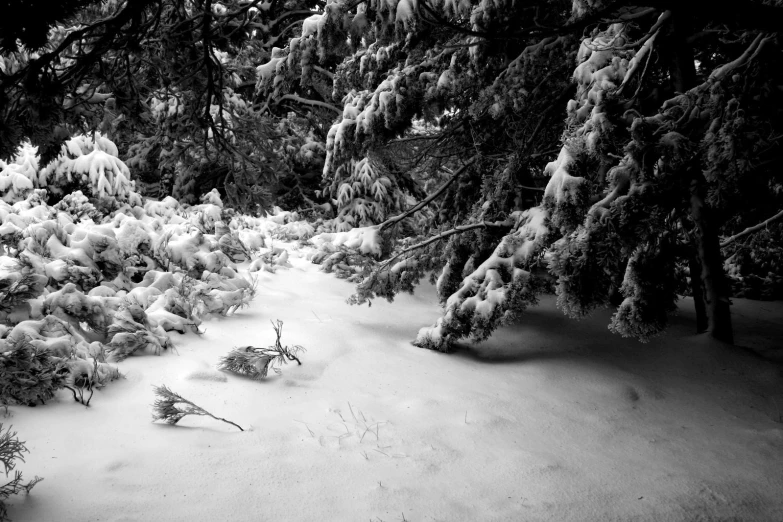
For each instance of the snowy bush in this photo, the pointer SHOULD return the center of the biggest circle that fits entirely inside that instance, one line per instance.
(28, 374)
(20, 176)
(91, 165)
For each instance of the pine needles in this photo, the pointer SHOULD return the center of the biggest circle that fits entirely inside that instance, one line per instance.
(11, 449)
(170, 408)
(29, 375)
(255, 362)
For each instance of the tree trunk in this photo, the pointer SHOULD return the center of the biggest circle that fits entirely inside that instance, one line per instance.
(683, 77)
(713, 279)
(682, 68)
(697, 291)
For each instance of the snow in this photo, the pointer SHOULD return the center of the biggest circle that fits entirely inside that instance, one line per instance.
(562, 186)
(310, 25)
(366, 240)
(551, 419)
(405, 10)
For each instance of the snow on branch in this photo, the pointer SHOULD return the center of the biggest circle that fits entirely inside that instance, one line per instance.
(750, 230)
(316, 103)
(443, 235)
(396, 219)
(723, 71)
(496, 290)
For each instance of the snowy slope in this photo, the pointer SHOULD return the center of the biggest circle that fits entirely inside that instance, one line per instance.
(551, 419)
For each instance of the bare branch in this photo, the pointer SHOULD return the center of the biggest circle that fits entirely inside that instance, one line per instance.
(509, 223)
(298, 99)
(750, 230)
(389, 222)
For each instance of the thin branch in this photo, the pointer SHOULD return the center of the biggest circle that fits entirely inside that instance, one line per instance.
(443, 235)
(646, 48)
(724, 70)
(389, 222)
(323, 71)
(317, 103)
(750, 230)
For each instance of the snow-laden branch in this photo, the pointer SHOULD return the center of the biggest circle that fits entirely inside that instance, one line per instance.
(722, 72)
(644, 51)
(750, 230)
(316, 103)
(391, 221)
(507, 224)
(323, 71)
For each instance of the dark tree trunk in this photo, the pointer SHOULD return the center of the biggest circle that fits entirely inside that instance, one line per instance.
(697, 291)
(682, 69)
(683, 76)
(713, 279)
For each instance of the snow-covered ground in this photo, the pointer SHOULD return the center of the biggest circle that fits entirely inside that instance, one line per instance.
(552, 419)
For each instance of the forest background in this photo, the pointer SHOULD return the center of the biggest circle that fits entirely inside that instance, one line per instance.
(619, 154)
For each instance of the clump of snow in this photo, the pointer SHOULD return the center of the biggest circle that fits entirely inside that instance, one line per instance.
(366, 240)
(20, 176)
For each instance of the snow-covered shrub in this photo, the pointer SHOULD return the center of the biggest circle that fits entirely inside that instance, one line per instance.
(78, 206)
(20, 176)
(92, 165)
(17, 286)
(82, 282)
(28, 375)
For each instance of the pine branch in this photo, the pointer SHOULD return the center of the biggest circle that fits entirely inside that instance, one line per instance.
(391, 221)
(750, 230)
(299, 99)
(255, 362)
(443, 235)
(171, 408)
(11, 449)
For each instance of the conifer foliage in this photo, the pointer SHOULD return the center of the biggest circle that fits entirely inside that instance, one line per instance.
(255, 362)
(12, 450)
(623, 205)
(614, 152)
(170, 408)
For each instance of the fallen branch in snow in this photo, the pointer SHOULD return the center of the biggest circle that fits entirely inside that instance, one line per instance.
(750, 230)
(166, 408)
(255, 362)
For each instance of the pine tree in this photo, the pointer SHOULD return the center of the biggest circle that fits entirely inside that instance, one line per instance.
(651, 164)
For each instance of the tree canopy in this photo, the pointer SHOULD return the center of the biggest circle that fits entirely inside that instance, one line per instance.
(617, 153)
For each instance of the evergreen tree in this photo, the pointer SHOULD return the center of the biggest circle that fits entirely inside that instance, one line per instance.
(672, 120)
(162, 79)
